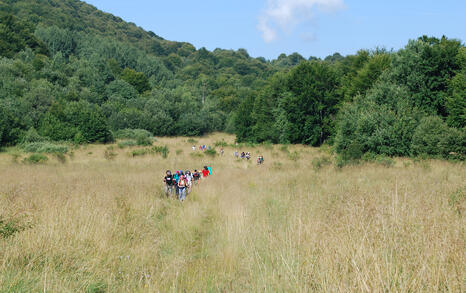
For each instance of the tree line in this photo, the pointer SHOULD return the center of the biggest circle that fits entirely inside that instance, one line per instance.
(70, 72)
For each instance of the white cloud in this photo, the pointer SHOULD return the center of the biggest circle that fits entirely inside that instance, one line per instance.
(284, 15)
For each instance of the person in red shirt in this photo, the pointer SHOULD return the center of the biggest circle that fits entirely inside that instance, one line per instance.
(205, 172)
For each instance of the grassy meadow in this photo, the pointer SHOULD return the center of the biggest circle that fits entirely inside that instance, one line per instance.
(97, 221)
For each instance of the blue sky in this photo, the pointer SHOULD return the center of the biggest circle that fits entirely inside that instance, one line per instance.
(310, 27)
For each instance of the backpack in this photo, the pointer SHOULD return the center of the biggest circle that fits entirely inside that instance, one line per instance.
(182, 182)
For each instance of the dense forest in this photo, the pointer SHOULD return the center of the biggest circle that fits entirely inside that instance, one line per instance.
(70, 72)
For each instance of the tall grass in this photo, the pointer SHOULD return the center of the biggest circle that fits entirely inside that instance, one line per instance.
(105, 226)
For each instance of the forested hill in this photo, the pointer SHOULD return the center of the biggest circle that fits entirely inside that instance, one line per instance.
(70, 72)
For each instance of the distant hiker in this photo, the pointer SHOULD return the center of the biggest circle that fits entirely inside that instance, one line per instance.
(236, 154)
(194, 147)
(169, 183)
(260, 160)
(182, 185)
(205, 172)
(248, 156)
(243, 155)
(222, 151)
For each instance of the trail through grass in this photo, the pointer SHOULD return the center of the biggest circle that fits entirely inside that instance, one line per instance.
(93, 224)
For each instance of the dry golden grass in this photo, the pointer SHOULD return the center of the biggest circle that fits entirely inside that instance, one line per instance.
(97, 225)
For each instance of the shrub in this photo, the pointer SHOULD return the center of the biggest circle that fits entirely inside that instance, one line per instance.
(131, 134)
(140, 152)
(79, 138)
(221, 143)
(36, 159)
(179, 152)
(162, 150)
(32, 136)
(211, 152)
(385, 161)
(45, 147)
(353, 152)
(378, 159)
(191, 140)
(126, 143)
(427, 136)
(143, 140)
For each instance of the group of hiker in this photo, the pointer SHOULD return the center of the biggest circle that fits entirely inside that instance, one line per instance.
(202, 147)
(182, 182)
(243, 155)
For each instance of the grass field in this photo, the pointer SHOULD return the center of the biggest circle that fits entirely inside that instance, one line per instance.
(99, 222)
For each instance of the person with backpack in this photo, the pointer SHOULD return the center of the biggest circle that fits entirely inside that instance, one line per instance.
(169, 183)
(176, 177)
(196, 177)
(182, 186)
(205, 172)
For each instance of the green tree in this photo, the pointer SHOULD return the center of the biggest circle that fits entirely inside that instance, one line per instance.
(137, 79)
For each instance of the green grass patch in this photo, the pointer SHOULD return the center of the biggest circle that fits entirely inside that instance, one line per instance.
(127, 143)
(9, 227)
(221, 143)
(161, 150)
(36, 159)
(45, 147)
(211, 152)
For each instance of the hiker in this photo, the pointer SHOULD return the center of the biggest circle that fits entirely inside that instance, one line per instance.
(176, 177)
(189, 179)
(169, 183)
(248, 156)
(222, 151)
(243, 155)
(260, 160)
(194, 148)
(236, 154)
(205, 172)
(182, 185)
(196, 177)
